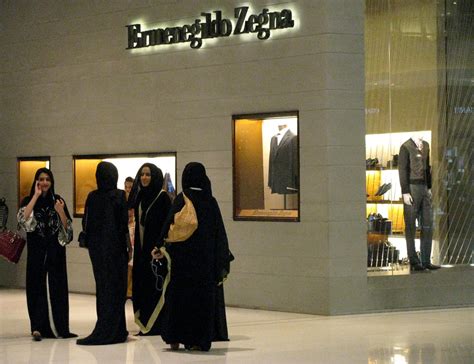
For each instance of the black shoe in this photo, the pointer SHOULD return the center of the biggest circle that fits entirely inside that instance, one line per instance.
(380, 189)
(432, 266)
(418, 268)
(36, 336)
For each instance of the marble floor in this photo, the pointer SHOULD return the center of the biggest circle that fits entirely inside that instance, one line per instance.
(435, 336)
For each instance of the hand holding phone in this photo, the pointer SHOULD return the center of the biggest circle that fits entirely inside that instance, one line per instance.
(37, 189)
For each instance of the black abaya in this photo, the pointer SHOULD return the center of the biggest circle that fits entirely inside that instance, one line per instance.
(47, 286)
(194, 308)
(146, 285)
(46, 272)
(106, 226)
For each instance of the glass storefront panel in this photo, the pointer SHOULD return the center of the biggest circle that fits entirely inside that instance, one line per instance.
(419, 86)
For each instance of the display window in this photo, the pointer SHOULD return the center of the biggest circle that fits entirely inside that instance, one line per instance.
(266, 167)
(419, 135)
(127, 165)
(27, 167)
(385, 213)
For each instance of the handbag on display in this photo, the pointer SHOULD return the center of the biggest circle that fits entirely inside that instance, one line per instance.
(382, 254)
(378, 224)
(11, 245)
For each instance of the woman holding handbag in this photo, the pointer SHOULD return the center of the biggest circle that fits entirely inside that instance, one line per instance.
(45, 218)
(151, 205)
(105, 224)
(198, 257)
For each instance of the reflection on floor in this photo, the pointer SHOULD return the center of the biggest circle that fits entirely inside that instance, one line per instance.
(438, 336)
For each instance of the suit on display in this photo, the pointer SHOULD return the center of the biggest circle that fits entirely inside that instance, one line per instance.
(283, 163)
(415, 180)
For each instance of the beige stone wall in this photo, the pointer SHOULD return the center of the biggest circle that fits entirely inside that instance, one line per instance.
(70, 87)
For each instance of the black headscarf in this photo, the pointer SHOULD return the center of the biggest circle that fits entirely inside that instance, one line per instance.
(106, 176)
(194, 175)
(145, 195)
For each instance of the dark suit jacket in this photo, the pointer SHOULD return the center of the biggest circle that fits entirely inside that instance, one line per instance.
(283, 164)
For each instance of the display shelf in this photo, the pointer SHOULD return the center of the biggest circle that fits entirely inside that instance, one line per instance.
(398, 202)
(380, 169)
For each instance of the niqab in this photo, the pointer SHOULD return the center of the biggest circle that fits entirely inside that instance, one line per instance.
(194, 175)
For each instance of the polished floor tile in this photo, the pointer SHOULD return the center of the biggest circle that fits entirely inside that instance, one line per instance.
(436, 336)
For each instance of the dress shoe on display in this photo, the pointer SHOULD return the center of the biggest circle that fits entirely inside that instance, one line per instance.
(432, 266)
(380, 189)
(418, 268)
(383, 189)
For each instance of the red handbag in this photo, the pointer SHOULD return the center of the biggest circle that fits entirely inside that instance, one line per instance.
(11, 245)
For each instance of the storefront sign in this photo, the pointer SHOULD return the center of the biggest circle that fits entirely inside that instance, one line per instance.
(212, 26)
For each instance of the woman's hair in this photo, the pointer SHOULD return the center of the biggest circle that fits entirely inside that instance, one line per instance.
(50, 192)
(49, 199)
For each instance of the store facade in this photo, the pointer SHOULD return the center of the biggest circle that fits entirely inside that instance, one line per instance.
(217, 82)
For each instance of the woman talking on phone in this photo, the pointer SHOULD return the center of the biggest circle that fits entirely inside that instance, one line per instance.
(45, 218)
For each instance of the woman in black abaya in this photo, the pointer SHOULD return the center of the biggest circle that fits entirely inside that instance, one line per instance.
(45, 217)
(151, 204)
(106, 225)
(199, 261)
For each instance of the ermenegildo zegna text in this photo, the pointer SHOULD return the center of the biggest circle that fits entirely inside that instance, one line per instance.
(213, 26)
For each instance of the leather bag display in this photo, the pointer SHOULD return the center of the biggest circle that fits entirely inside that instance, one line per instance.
(376, 223)
(382, 254)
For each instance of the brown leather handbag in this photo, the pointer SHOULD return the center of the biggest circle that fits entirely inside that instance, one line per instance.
(185, 223)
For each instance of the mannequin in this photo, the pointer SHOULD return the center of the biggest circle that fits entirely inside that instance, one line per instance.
(407, 199)
(415, 180)
(283, 162)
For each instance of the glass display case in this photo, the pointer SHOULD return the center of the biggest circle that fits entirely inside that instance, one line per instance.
(127, 165)
(266, 167)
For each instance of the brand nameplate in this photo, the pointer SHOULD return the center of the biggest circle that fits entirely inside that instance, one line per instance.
(212, 25)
